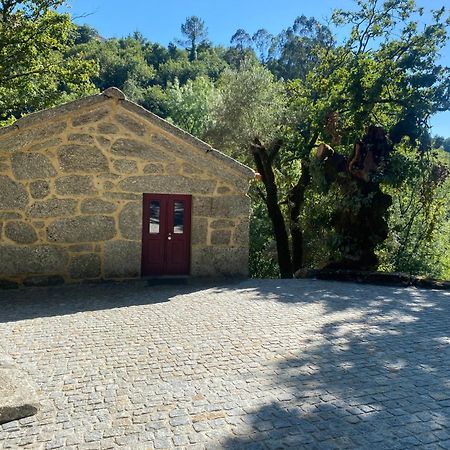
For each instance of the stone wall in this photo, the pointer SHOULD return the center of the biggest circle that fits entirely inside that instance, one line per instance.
(71, 197)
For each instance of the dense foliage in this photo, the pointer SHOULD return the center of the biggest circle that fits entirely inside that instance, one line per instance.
(270, 101)
(38, 67)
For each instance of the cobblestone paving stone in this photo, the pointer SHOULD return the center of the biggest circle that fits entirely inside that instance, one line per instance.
(248, 365)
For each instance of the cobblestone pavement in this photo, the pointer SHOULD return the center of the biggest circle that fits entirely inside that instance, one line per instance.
(254, 364)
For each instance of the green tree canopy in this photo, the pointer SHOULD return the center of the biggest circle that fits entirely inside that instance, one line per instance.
(295, 51)
(191, 106)
(251, 104)
(37, 69)
(195, 33)
(263, 41)
(386, 74)
(241, 39)
(123, 64)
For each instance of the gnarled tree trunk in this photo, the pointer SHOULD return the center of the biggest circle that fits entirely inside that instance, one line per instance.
(263, 160)
(296, 201)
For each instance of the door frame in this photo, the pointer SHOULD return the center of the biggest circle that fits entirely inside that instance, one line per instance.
(166, 199)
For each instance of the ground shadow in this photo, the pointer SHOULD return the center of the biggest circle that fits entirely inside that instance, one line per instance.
(374, 374)
(29, 303)
(377, 377)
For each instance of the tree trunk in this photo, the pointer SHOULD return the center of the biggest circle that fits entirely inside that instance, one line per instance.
(264, 165)
(193, 51)
(296, 200)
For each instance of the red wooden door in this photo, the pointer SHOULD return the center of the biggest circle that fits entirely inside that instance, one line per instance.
(166, 234)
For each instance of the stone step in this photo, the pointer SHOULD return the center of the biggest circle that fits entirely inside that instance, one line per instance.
(18, 397)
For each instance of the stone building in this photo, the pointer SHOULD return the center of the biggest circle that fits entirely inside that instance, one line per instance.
(100, 188)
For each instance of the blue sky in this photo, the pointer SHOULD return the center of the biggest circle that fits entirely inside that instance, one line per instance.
(160, 21)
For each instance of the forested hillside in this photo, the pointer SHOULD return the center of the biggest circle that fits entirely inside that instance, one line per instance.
(339, 130)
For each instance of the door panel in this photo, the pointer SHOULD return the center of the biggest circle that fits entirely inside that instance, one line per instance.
(178, 236)
(166, 234)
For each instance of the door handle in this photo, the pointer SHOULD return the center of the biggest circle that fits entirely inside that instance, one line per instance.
(169, 237)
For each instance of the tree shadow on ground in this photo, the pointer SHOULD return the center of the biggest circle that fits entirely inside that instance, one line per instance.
(375, 377)
(370, 369)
